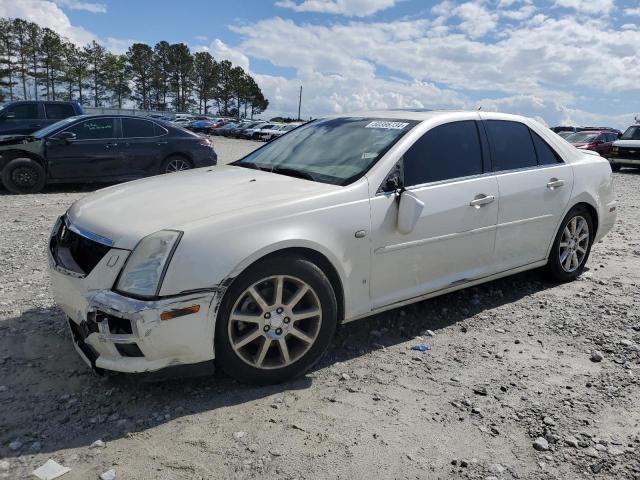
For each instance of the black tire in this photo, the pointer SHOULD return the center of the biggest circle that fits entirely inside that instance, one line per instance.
(554, 267)
(226, 357)
(23, 175)
(172, 160)
(615, 168)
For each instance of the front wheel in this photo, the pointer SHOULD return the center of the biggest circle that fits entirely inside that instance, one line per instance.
(275, 322)
(23, 175)
(572, 245)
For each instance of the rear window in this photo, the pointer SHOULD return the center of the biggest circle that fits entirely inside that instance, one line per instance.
(57, 111)
(546, 155)
(511, 144)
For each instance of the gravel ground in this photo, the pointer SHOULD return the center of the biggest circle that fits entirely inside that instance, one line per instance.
(525, 379)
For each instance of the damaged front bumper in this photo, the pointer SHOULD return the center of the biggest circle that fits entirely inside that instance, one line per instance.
(115, 332)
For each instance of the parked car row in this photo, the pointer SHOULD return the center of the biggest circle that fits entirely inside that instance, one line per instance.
(99, 148)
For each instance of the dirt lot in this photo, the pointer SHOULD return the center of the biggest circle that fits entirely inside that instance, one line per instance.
(512, 365)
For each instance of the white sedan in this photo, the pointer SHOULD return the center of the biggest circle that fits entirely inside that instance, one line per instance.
(256, 263)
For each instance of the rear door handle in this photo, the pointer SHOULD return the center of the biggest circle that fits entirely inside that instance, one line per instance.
(109, 145)
(555, 183)
(481, 200)
(161, 143)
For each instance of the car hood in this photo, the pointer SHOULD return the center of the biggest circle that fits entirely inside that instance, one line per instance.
(627, 143)
(127, 212)
(15, 139)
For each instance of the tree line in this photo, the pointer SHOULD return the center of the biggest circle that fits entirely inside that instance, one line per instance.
(38, 64)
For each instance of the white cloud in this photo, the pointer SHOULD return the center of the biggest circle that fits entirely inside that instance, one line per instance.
(80, 5)
(350, 8)
(632, 12)
(221, 51)
(587, 6)
(46, 14)
(430, 64)
(476, 20)
(119, 45)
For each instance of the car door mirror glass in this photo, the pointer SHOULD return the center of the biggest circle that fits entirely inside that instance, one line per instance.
(409, 211)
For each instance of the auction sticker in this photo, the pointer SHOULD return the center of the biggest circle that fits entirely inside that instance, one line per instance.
(390, 125)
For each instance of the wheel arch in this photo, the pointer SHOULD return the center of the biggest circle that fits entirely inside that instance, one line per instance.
(584, 201)
(9, 155)
(314, 255)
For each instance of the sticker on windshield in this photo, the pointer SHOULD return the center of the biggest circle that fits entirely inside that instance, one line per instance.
(389, 125)
(368, 155)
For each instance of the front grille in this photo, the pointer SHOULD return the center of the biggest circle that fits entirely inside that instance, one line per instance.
(75, 252)
(632, 153)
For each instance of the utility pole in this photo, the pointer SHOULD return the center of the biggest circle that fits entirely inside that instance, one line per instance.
(299, 102)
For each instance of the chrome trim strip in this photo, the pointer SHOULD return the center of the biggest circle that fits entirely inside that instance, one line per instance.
(88, 234)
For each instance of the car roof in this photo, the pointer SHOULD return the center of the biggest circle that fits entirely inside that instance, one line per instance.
(421, 115)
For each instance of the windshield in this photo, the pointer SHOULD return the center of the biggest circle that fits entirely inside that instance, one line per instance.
(335, 150)
(43, 132)
(582, 137)
(632, 133)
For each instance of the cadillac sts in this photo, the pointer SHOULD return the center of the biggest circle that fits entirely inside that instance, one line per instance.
(255, 263)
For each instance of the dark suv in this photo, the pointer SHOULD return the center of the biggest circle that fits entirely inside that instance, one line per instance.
(99, 148)
(27, 117)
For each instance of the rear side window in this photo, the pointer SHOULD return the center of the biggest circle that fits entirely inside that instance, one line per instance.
(445, 152)
(93, 129)
(57, 111)
(511, 144)
(546, 155)
(134, 128)
(22, 111)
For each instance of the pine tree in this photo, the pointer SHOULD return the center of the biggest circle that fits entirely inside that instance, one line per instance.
(95, 56)
(140, 58)
(205, 79)
(7, 51)
(117, 73)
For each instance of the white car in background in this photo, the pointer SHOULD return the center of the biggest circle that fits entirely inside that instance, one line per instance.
(255, 263)
(277, 131)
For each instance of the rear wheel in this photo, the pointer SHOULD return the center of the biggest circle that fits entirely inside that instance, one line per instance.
(23, 175)
(572, 245)
(276, 320)
(175, 163)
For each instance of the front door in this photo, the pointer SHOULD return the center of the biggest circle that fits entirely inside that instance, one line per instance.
(453, 239)
(93, 153)
(535, 188)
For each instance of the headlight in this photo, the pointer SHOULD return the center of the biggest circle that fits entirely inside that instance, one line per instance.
(145, 268)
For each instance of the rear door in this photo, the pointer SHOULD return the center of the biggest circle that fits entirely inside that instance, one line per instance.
(535, 187)
(143, 144)
(453, 240)
(94, 153)
(21, 118)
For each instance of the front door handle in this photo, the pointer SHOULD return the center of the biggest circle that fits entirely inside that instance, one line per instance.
(481, 200)
(161, 143)
(109, 145)
(555, 183)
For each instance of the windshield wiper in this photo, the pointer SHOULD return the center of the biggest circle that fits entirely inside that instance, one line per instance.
(292, 172)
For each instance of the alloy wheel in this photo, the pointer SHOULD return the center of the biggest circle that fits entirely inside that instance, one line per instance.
(574, 244)
(274, 322)
(177, 165)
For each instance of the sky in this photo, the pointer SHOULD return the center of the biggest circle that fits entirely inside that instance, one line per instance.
(563, 61)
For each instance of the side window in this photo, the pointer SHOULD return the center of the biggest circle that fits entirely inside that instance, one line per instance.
(57, 111)
(93, 129)
(546, 155)
(512, 145)
(447, 151)
(22, 111)
(134, 128)
(159, 130)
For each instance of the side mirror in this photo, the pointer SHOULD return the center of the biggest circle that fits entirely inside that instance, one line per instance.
(66, 137)
(9, 115)
(409, 212)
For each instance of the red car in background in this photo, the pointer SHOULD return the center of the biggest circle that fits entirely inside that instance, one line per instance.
(597, 140)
